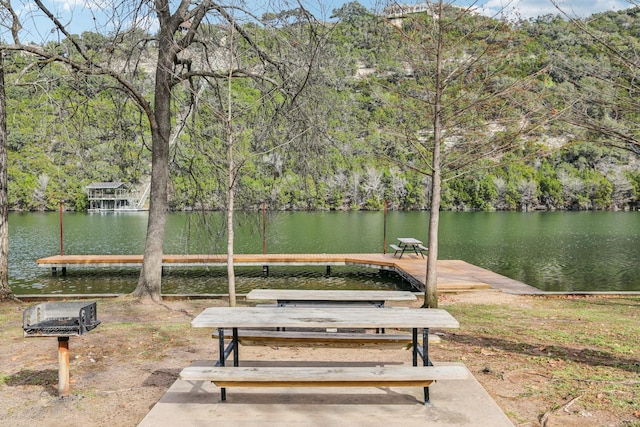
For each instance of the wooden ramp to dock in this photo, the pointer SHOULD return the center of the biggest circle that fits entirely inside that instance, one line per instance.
(453, 275)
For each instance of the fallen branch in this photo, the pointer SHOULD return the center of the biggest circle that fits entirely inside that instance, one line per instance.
(565, 408)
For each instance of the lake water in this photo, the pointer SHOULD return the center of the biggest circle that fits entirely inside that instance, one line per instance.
(553, 251)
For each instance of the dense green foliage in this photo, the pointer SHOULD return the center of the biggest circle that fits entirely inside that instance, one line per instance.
(351, 143)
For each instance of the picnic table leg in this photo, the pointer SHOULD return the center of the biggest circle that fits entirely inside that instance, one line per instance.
(224, 353)
(424, 355)
(414, 346)
(236, 356)
(221, 360)
(425, 359)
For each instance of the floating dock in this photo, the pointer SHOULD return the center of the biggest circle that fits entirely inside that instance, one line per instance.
(453, 275)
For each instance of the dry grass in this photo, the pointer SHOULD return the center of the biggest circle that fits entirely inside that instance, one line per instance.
(546, 361)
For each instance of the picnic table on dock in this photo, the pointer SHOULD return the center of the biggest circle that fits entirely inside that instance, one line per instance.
(411, 244)
(306, 297)
(371, 374)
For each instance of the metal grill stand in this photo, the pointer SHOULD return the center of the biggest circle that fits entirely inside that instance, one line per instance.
(61, 320)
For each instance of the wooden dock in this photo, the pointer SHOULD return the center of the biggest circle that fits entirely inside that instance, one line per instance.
(453, 275)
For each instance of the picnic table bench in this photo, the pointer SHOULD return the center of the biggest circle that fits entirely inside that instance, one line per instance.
(238, 318)
(333, 376)
(289, 338)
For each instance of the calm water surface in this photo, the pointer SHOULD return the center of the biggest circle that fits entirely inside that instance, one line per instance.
(554, 251)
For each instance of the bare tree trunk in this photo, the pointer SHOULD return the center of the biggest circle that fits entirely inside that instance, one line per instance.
(230, 198)
(150, 281)
(230, 268)
(431, 283)
(5, 291)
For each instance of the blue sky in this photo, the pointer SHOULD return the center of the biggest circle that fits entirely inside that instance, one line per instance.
(77, 13)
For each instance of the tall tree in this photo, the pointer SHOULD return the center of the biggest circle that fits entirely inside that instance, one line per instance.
(464, 93)
(5, 290)
(122, 61)
(231, 178)
(248, 118)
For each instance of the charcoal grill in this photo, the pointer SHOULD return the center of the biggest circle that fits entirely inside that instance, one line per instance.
(61, 320)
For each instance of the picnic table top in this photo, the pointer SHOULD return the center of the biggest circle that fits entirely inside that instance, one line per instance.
(329, 295)
(323, 317)
(409, 241)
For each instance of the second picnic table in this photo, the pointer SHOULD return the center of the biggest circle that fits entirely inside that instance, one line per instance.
(409, 243)
(298, 297)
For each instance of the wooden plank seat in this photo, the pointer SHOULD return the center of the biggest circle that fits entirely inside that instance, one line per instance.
(396, 248)
(336, 376)
(288, 338)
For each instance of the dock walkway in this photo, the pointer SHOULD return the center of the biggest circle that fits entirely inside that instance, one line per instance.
(453, 275)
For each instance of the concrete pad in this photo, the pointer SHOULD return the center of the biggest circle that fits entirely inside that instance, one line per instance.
(453, 403)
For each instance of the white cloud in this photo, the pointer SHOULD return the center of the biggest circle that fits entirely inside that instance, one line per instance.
(514, 9)
(532, 8)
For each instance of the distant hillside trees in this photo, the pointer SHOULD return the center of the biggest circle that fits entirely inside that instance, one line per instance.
(66, 130)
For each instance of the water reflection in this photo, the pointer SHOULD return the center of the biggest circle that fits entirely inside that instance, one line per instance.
(555, 251)
(214, 280)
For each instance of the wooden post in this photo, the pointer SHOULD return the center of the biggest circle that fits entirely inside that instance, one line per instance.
(384, 240)
(61, 234)
(265, 268)
(63, 366)
(264, 228)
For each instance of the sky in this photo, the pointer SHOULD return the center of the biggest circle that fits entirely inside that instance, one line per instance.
(530, 8)
(79, 18)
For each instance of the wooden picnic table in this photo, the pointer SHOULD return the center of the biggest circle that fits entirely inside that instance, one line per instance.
(366, 317)
(411, 244)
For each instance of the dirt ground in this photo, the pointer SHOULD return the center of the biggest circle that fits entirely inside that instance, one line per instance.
(124, 366)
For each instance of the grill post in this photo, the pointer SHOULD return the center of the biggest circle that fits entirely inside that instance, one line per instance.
(63, 366)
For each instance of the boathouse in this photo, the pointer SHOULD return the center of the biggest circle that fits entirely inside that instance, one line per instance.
(111, 196)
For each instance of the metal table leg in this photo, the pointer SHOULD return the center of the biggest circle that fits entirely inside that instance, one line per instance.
(221, 359)
(425, 359)
(225, 351)
(424, 354)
